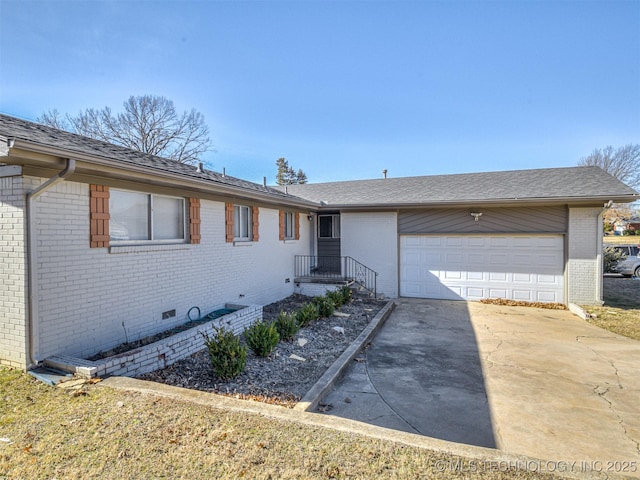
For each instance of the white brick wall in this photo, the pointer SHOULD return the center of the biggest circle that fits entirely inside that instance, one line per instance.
(372, 239)
(583, 265)
(13, 273)
(91, 300)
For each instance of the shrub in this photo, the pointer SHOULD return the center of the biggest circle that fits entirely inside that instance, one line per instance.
(307, 314)
(335, 297)
(227, 356)
(262, 338)
(287, 326)
(346, 294)
(325, 306)
(611, 257)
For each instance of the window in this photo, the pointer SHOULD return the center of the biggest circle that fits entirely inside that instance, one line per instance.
(142, 217)
(242, 222)
(289, 225)
(329, 226)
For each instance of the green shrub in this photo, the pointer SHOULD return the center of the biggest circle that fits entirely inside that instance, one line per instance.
(307, 314)
(611, 257)
(227, 356)
(262, 338)
(325, 306)
(287, 325)
(335, 297)
(346, 294)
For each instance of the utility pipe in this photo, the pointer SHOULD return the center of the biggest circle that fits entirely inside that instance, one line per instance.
(33, 329)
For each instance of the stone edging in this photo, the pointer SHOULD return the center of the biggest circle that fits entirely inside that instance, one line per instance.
(321, 388)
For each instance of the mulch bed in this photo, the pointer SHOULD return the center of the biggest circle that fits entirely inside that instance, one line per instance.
(278, 378)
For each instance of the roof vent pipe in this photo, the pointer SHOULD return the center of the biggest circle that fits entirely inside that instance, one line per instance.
(199, 170)
(384, 172)
(224, 172)
(264, 181)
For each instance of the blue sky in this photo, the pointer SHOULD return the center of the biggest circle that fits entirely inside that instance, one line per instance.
(344, 89)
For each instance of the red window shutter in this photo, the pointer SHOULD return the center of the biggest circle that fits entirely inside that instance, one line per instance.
(99, 216)
(194, 220)
(256, 224)
(297, 225)
(229, 222)
(281, 224)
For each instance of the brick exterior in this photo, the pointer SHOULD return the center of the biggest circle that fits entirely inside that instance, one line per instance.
(92, 299)
(584, 260)
(13, 273)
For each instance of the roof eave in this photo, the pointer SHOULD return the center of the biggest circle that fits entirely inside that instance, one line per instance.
(590, 200)
(133, 171)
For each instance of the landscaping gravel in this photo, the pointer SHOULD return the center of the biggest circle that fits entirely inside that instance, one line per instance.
(279, 378)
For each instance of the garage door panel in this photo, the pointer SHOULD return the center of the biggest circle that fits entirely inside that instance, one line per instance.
(523, 295)
(527, 268)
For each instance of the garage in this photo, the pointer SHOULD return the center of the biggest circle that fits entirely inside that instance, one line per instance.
(472, 267)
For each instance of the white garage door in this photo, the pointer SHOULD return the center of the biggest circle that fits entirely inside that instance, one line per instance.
(473, 267)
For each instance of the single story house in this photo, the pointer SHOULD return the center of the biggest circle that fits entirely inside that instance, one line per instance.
(100, 243)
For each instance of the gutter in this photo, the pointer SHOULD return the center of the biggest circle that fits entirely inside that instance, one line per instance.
(174, 178)
(33, 325)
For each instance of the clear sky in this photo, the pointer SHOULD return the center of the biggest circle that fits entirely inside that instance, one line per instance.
(344, 89)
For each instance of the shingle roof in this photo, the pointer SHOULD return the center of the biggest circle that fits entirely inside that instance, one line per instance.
(11, 127)
(577, 183)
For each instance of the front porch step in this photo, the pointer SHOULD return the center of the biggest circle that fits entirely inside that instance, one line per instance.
(324, 281)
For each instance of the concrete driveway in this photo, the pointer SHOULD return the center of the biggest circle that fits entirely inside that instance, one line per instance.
(537, 382)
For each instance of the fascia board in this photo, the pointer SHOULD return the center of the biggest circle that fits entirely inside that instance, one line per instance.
(88, 164)
(572, 201)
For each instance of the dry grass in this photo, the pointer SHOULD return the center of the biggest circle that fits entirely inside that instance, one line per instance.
(522, 303)
(97, 432)
(622, 240)
(621, 311)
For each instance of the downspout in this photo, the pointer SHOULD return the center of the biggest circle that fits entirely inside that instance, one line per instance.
(599, 262)
(33, 329)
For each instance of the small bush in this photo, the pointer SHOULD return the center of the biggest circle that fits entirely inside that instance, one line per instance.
(346, 294)
(262, 338)
(227, 356)
(307, 314)
(325, 306)
(612, 256)
(336, 297)
(287, 326)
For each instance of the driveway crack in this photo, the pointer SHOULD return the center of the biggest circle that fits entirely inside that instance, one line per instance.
(603, 393)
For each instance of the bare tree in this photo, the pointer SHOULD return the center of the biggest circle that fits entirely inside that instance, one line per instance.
(149, 124)
(54, 118)
(623, 163)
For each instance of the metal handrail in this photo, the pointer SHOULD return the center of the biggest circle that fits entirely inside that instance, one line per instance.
(342, 268)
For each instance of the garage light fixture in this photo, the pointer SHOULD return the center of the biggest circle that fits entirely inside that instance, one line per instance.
(476, 216)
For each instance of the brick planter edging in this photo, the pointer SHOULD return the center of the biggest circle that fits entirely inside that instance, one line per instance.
(159, 354)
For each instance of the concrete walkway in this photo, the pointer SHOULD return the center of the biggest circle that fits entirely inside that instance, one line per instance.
(529, 381)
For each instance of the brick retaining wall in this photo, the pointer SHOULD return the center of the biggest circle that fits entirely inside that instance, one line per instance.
(159, 354)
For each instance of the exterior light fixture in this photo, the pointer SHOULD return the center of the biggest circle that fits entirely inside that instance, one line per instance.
(476, 216)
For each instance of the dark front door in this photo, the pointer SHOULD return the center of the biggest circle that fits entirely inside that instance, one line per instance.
(329, 243)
